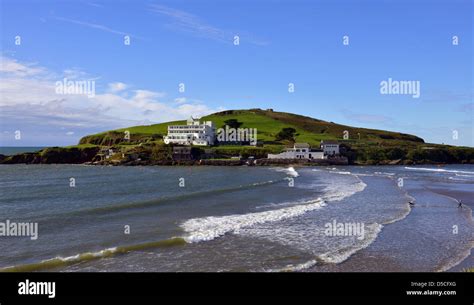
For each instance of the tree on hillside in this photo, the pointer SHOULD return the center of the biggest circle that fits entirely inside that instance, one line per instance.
(287, 133)
(162, 153)
(233, 123)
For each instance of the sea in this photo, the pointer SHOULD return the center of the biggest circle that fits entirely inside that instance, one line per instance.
(238, 219)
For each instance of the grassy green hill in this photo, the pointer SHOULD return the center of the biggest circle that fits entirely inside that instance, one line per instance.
(145, 145)
(268, 124)
(365, 146)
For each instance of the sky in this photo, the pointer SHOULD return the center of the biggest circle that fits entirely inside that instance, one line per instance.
(193, 43)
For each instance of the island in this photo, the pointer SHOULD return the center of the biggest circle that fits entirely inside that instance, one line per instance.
(248, 137)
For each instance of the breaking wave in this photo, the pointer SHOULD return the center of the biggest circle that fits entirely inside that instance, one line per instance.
(439, 170)
(290, 171)
(334, 192)
(88, 256)
(337, 256)
(209, 228)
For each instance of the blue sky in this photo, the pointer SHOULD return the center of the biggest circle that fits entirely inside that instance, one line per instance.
(192, 42)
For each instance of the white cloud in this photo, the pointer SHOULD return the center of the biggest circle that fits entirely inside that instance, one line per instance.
(12, 66)
(76, 73)
(187, 22)
(117, 87)
(180, 100)
(29, 101)
(146, 95)
(96, 26)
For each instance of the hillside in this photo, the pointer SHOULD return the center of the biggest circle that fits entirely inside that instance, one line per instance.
(364, 146)
(268, 124)
(145, 144)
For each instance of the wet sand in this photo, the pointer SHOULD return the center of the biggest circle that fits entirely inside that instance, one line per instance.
(405, 236)
(467, 200)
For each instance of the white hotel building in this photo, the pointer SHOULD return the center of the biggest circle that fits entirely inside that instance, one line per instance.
(193, 133)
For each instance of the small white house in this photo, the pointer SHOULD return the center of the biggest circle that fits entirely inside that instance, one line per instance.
(299, 151)
(330, 148)
(193, 133)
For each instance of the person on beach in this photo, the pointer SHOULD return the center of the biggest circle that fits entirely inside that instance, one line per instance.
(460, 204)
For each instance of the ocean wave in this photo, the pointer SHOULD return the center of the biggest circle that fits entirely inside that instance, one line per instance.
(456, 260)
(209, 228)
(384, 173)
(339, 255)
(297, 267)
(460, 175)
(88, 256)
(282, 204)
(363, 175)
(180, 197)
(290, 171)
(439, 170)
(334, 192)
(459, 179)
(341, 172)
(153, 202)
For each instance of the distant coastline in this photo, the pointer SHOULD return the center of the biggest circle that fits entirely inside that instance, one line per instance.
(147, 157)
(13, 150)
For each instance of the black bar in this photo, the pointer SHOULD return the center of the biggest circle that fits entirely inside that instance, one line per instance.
(138, 285)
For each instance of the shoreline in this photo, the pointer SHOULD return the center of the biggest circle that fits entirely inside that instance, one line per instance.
(468, 200)
(231, 162)
(233, 165)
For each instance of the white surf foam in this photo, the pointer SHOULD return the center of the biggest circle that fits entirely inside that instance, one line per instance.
(456, 260)
(209, 228)
(459, 179)
(298, 267)
(341, 172)
(459, 175)
(335, 192)
(340, 255)
(439, 170)
(290, 171)
(384, 173)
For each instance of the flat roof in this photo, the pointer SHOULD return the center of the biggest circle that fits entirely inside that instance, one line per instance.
(301, 145)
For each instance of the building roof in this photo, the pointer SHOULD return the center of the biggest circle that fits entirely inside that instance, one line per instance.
(329, 142)
(301, 145)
